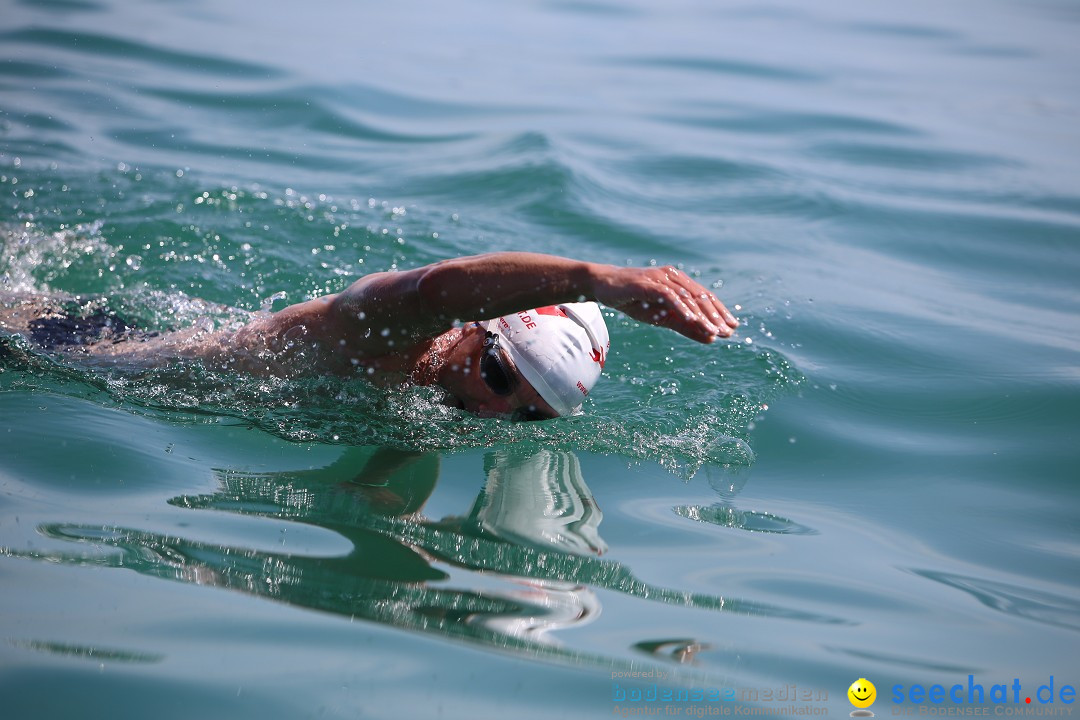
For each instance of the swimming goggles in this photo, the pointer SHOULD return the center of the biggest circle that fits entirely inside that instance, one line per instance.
(495, 371)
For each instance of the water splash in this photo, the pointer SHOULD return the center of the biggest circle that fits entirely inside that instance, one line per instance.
(712, 429)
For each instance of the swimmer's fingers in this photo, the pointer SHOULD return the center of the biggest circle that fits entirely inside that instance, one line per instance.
(693, 317)
(688, 308)
(707, 303)
(665, 297)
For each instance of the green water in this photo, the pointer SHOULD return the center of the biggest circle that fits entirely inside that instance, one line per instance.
(875, 478)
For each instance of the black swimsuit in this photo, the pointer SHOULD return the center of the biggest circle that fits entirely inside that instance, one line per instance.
(70, 329)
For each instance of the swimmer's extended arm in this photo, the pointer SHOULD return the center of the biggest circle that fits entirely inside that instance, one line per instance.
(386, 312)
(423, 302)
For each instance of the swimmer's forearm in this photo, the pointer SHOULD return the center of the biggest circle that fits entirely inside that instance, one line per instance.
(486, 286)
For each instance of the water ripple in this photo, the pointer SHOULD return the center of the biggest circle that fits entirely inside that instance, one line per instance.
(722, 66)
(30, 70)
(298, 108)
(591, 7)
(899, 157)
(1037, 605)
(923, 32)
(790, 123)
(63, 5)
(97, 45)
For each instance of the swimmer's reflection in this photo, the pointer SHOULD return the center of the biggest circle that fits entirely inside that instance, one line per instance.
(534, 506)
(528, 549)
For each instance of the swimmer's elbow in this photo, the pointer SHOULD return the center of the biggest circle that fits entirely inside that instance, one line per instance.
(407, 299)
(432, 287)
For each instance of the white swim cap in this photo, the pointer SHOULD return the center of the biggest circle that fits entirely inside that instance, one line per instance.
(559, 349)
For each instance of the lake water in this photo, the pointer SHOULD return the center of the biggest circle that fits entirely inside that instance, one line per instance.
(876, 478)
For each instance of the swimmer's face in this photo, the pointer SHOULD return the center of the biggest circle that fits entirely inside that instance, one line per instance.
(488, 388)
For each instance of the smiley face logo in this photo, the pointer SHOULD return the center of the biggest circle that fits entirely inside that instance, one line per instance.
(862, 693)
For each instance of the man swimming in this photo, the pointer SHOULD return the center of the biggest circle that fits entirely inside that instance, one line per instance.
(538, 357)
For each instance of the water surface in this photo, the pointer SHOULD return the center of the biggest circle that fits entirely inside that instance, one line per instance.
(876, 478)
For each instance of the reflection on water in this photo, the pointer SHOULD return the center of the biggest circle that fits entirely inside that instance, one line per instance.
(529, 547)
(681, 650)
(728, 485)
(540, 499)
(724, 516)
(92, 653)
(1037, 605)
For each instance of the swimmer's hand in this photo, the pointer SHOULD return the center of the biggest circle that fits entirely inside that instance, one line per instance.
(667, 297)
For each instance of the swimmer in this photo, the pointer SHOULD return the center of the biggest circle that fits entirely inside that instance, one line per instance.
(537, 357)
